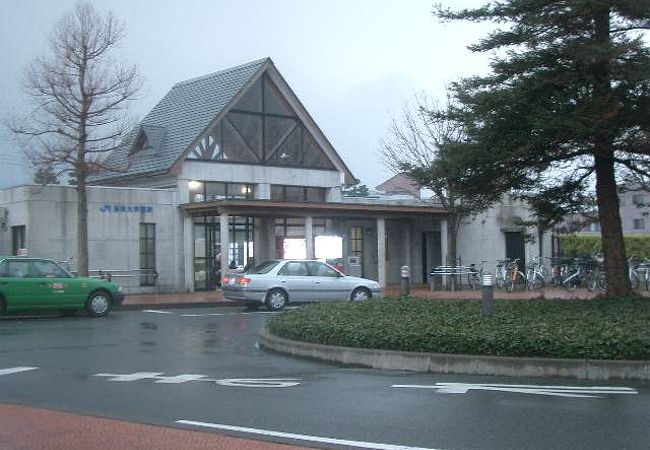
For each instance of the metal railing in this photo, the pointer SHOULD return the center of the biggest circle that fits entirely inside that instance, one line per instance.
(109, 274)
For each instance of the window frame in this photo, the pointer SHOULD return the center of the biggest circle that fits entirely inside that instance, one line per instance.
(148, 279)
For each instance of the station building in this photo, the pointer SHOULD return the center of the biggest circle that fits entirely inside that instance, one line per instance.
(230, 169)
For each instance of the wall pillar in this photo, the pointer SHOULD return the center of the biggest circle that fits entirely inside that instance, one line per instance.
(188, 253)
(406, 237)
(309, 236)
(224, 238)
(444, 248)
(444, 243)
(381, 251)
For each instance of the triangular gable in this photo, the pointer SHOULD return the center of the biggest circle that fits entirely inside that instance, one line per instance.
(266, 124)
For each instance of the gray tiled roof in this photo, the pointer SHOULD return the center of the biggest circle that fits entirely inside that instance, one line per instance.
(178, 119)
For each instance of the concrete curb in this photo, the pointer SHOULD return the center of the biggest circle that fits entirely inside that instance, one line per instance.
(141, 306)
(461, 364)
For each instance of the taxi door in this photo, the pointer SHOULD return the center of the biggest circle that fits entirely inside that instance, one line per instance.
(52, 286)
(15, 285)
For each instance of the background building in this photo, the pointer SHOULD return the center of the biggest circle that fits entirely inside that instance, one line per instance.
(230, 169)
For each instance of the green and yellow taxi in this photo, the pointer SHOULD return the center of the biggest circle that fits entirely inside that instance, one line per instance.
(37, 284)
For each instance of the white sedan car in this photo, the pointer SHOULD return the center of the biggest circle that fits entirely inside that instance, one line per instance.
(276, 283)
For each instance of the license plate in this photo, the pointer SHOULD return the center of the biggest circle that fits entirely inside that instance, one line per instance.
(231, 281)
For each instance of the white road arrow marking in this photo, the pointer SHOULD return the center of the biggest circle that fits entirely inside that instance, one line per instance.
(131, 377)
(16, 370)
(556, 391)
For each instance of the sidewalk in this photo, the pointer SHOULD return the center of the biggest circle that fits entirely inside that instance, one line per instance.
(214, 298)
(208, 298)
(24, 427)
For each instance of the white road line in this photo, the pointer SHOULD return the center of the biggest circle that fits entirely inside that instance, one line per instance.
(300, 437)
(557, 391)
(155, 311)
(16, 370)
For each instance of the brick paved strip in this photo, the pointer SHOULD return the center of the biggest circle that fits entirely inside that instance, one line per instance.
(26, 428)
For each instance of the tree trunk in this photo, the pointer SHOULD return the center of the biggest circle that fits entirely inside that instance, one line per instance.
(82, 226)
(618, 282)
(452, 239)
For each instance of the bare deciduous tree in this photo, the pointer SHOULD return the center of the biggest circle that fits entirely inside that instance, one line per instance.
(80, 95)
(421, 144)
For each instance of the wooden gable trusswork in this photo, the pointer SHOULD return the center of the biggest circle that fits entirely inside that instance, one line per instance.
(261, 128)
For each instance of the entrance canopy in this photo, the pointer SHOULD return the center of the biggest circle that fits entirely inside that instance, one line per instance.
(268, 208)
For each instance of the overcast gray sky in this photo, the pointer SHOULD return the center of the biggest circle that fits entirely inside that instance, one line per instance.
(353, 63)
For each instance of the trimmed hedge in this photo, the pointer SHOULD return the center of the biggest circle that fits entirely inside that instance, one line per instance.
(594, 329)
(636, 246)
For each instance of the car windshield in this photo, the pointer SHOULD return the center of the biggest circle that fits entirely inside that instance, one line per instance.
(264, 267)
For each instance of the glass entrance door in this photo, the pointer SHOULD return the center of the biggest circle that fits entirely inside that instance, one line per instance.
(207, 249)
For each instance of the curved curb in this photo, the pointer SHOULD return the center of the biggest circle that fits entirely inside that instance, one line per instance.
(461, 364)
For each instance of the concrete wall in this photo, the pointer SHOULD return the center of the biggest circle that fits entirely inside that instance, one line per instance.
(484, 237)
(250, 173)
(114, 217)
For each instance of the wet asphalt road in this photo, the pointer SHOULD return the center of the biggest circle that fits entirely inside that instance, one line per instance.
(197, 365)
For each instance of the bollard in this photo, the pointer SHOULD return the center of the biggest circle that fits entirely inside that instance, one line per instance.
(405, 281)
(487, 301)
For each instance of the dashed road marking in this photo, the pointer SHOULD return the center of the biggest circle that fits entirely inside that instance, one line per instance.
(299, 437)
(555, 391)
(11, 370)
(155, 311)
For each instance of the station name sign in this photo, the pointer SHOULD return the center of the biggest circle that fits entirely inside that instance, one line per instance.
(115, 208)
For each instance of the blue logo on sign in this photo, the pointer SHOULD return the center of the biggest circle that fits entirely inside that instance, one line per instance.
(113, 208)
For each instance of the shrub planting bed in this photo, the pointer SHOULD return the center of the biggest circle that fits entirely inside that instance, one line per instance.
(593, 329)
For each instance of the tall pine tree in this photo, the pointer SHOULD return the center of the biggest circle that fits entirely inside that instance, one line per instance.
(565, 109)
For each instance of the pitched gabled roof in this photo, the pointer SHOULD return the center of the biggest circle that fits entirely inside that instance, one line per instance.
(398, 184)
(183, 114)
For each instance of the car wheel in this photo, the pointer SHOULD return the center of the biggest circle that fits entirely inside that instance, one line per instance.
(3, 306)
(276, 300)
(98, 303)
(360, 294)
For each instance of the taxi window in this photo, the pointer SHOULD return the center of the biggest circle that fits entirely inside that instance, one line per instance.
(46, 269)
(294, 268)
(17, 269)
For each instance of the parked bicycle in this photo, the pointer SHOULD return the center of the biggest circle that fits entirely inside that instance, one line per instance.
(535, 278)
(475, 276)
(515, 277)
(501, 272)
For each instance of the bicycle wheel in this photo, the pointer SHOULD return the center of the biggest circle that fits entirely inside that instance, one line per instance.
(602, 281)
(570, 284)
(592, 283)
(536, 284)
